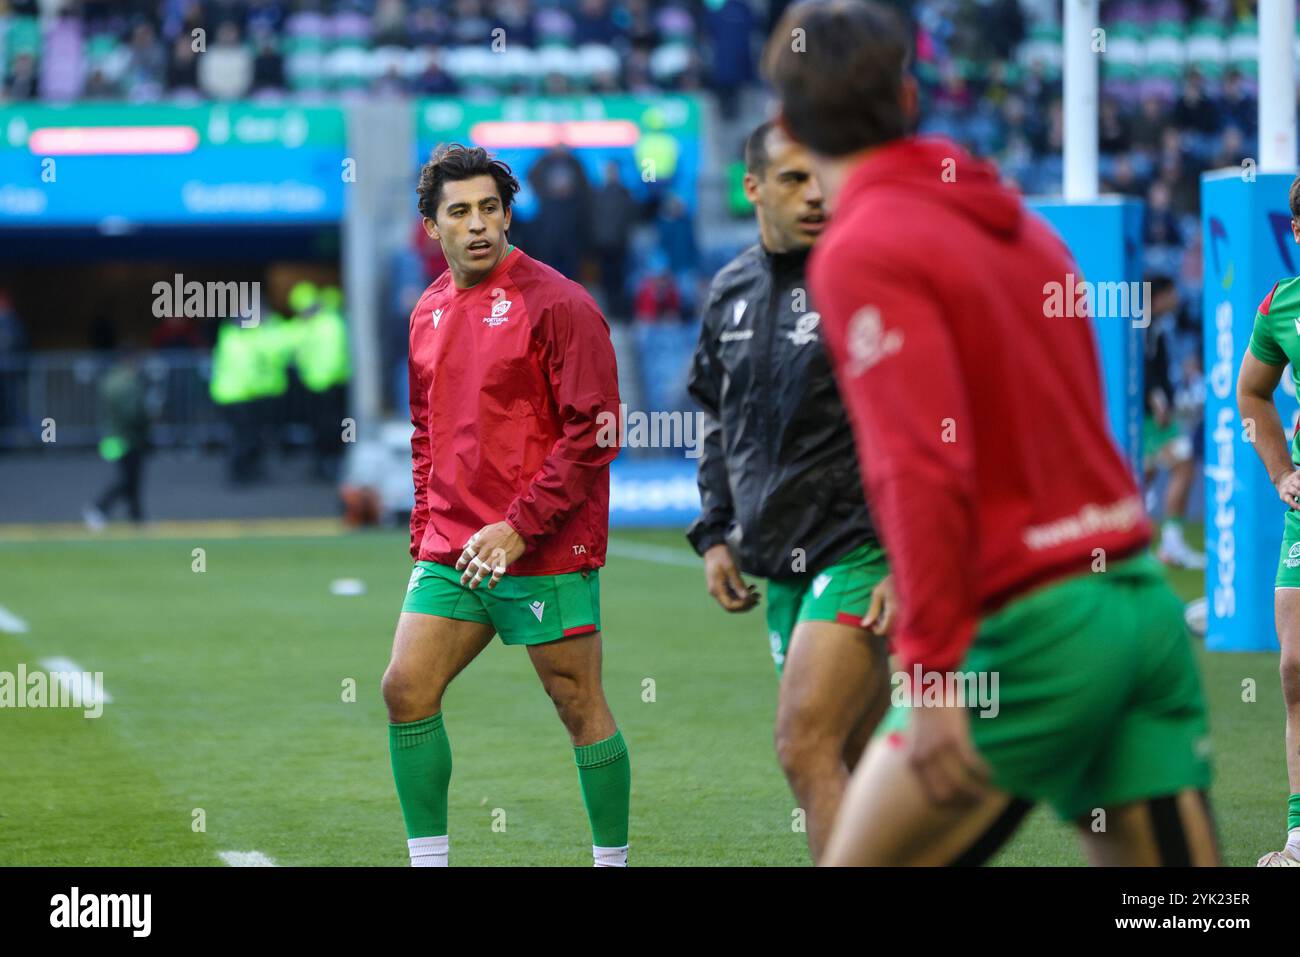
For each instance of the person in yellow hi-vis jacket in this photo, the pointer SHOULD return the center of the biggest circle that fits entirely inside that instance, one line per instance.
(275, 345)
(324, 367)
(233, 388)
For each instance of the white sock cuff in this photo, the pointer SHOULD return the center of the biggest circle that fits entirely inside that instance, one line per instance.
(428, 851)
(609, 856)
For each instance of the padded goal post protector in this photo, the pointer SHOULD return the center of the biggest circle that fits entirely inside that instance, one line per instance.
(1106, 240)
(1246, 247)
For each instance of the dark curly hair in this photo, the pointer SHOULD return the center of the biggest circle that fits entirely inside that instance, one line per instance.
(454, 162)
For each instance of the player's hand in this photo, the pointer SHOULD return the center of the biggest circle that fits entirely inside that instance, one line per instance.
(1288, 488)
(944, 757)
(488, 553)
(883, 608)
(724, 581)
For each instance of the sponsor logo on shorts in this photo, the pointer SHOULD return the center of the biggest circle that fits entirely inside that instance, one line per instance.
(416, 574)
(820, 583)
(774, 639)
(1293, 556)
(537, 608)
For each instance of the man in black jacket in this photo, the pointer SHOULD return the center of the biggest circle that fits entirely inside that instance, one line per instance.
(780, 492)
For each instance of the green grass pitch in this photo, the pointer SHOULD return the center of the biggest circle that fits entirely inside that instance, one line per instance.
(228, 711)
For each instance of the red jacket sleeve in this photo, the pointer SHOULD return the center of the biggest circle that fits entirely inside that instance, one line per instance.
(898, 370)
(421, 457)
(578, 357)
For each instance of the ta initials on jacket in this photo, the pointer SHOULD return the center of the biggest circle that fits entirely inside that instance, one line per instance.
(579, 549)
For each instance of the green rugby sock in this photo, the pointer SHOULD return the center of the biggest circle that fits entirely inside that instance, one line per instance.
(421, 756)
(1293, 812)
(606, 777)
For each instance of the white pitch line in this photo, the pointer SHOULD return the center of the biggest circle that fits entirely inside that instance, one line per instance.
(68, 671)
(11, 623)
(658, 554)
(246, 859)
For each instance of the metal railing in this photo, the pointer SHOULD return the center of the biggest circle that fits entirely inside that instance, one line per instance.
(54, 397)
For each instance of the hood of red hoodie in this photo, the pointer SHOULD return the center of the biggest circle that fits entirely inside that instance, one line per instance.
(943, 171)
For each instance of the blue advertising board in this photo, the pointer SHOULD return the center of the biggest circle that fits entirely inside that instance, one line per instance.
(1248, 246)
(1106, 240)
(118, 165)
(653, 493)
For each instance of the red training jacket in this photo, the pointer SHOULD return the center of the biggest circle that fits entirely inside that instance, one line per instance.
(512, 381)
(975, 401)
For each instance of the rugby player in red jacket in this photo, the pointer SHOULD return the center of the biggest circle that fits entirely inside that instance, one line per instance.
(1016, 532)
(513, 381)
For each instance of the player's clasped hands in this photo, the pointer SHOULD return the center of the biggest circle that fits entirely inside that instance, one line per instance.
(488, 553)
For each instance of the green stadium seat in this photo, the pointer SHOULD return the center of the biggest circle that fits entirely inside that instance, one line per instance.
(23, 36)
(1243, 46)
(1166, 53)
(1125, 46)
(1207, 47)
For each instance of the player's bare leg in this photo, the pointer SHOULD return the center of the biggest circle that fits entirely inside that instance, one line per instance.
(1172, 831)
(834, 690)
(888, 819)
(428, 652)
(1286, 612)
(1177, 458)
(570, 673)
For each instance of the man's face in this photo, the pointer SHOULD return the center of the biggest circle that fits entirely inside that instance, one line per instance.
(791, 207)
(471, 224)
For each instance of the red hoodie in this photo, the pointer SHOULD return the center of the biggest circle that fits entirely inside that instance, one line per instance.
(512, 383)
(978, 413)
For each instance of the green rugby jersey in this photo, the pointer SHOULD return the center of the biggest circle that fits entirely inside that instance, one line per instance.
(1275, 340)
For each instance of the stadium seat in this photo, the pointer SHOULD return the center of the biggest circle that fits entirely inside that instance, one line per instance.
(1243, 46)
(1207, 47)
(1165, 52)
(669, 61)
(1125, 49)
(1042, 46)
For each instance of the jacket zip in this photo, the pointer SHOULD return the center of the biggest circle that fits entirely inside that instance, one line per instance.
(770, 425)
